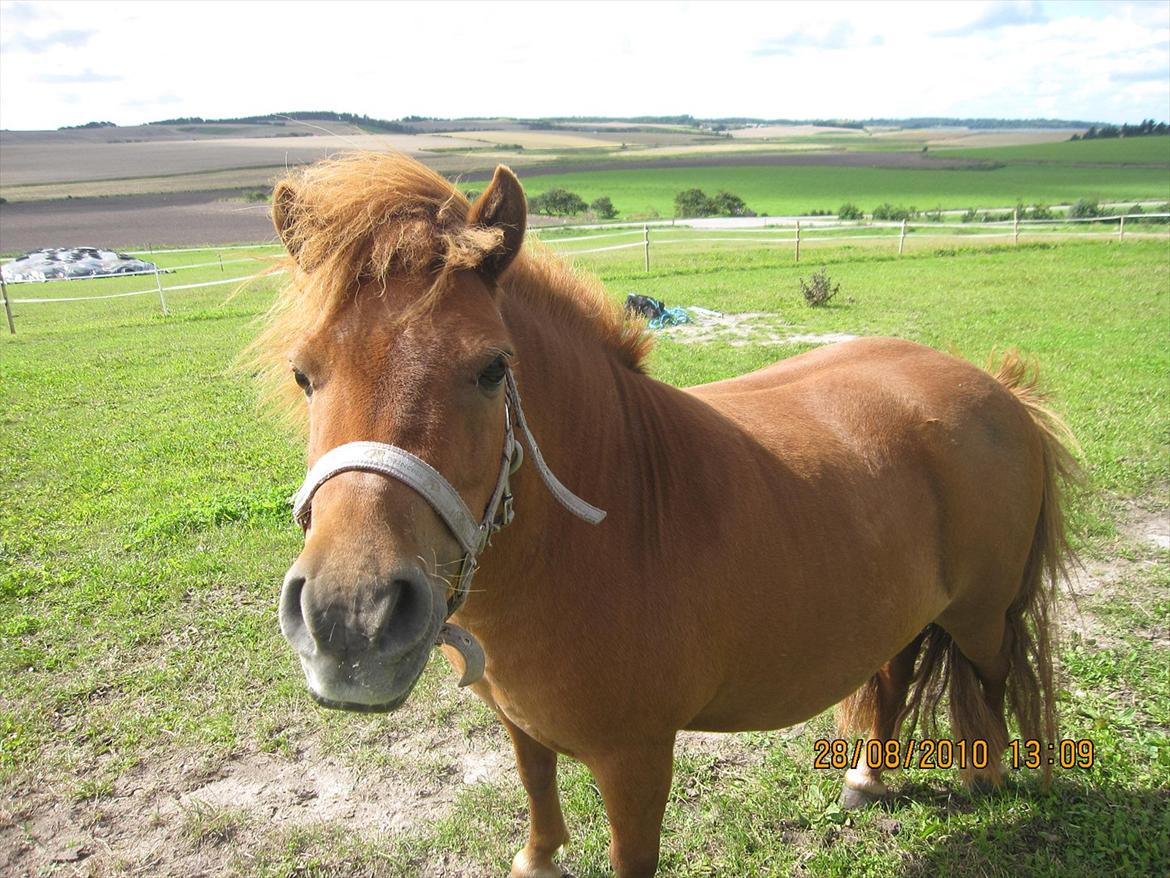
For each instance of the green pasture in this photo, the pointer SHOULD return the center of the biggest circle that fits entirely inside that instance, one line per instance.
(144, 535)
(1150, 150)
(787, 190)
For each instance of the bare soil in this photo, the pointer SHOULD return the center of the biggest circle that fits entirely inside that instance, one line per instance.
(747, 328)
(179, 219)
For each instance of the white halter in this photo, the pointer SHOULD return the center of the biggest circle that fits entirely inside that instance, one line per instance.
(473, 537)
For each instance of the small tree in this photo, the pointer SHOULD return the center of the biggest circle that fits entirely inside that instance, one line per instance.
(728, 204)
(819, 289)
(1084, 209)
(692, 202)
(558, 202)
(603, 208)
(850, 211)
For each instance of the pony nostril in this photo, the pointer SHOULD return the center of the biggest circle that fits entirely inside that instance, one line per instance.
(292, 617)
(404, 617)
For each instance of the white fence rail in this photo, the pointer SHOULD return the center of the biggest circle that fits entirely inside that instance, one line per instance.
(788, 231)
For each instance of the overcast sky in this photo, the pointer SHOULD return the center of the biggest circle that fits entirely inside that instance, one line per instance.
(66, 63)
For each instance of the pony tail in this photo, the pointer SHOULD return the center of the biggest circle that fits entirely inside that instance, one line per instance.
(1031, 689)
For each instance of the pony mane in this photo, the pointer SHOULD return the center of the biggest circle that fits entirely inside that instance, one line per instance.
(367, 218)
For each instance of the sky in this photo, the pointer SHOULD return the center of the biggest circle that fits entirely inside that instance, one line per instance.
(67, 63)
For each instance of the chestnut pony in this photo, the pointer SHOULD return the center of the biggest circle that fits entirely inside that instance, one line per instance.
(868, 523)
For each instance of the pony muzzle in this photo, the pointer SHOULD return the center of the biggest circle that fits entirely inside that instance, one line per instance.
(366, 659)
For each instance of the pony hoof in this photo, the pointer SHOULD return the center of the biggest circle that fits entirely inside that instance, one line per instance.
(526, 866)
(852, 799)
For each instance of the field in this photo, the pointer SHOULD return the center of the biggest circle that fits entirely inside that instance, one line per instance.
(152, 719)
(796, 189)
(1152, 150)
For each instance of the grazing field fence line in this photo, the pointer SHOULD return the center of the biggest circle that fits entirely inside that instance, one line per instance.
(788, 231)
(809, 230)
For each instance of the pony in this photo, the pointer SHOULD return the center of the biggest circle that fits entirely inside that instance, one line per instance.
(871, 523)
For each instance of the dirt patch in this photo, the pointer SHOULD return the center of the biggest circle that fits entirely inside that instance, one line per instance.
(186, 816)
(1144, 526)
(748, 328)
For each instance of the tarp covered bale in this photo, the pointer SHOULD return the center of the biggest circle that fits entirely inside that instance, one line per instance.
(69, 263)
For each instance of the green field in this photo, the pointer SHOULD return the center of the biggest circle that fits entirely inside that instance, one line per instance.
(144, 535)
(1151, 150)
(793, 190)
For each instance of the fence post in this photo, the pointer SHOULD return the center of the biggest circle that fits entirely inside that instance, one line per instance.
(1015, 225)
(902, 239)
(7, 307)
(161, 298)
(798, 240)
(220, 255)
(1121, 228)
(646, 243)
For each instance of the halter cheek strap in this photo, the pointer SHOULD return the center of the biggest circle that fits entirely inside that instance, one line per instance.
(473, 537)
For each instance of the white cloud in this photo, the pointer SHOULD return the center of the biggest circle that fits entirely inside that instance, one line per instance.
(144, 61)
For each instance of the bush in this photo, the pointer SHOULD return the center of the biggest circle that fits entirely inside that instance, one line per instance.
(696, 202)
(728, 204)
(971, 216)
(819, 289)
(692, 202)
(850, 211)
(256, 196)
(558, 202)
(1084, 209)
(1038, 212)
(472, 194)
(603, 208)
(895, 213)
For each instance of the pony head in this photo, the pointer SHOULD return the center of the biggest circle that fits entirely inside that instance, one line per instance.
(391, 332)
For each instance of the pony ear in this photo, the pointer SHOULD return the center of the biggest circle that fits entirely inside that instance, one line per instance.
(284, 216)
(501, 206)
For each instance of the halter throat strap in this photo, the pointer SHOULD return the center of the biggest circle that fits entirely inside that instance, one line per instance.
(473, 536)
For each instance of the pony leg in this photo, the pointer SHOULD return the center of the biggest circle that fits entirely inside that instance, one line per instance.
(546, 832)
(634, 783)
(881, 702)
(978, 685)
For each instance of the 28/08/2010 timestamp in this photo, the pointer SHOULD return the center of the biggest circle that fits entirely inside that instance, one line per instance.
(837, 753)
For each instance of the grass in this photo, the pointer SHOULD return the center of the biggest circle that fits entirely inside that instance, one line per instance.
(1151, 150)
(142, 543)
(786, 190)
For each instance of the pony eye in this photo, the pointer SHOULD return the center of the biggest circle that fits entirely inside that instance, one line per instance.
(491, 377)
(303, 381)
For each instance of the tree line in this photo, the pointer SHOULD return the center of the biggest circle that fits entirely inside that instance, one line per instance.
(1144, 128)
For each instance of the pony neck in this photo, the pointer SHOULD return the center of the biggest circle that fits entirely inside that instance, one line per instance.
(594, 415)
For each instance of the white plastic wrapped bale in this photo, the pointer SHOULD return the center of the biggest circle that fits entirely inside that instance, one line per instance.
(69, 263)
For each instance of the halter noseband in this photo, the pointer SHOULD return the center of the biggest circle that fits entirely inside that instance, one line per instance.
(473, 537)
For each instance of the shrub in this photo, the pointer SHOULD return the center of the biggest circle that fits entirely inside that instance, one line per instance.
(256, 196)
(558, 202)
(971, 216)
(850, 211)
(729, 204)
(695, 202)
(891, 212)
(819, 289)
(603, 208)
(1038, 212)
(1084, 209)
(472, 194)
(692, 202)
